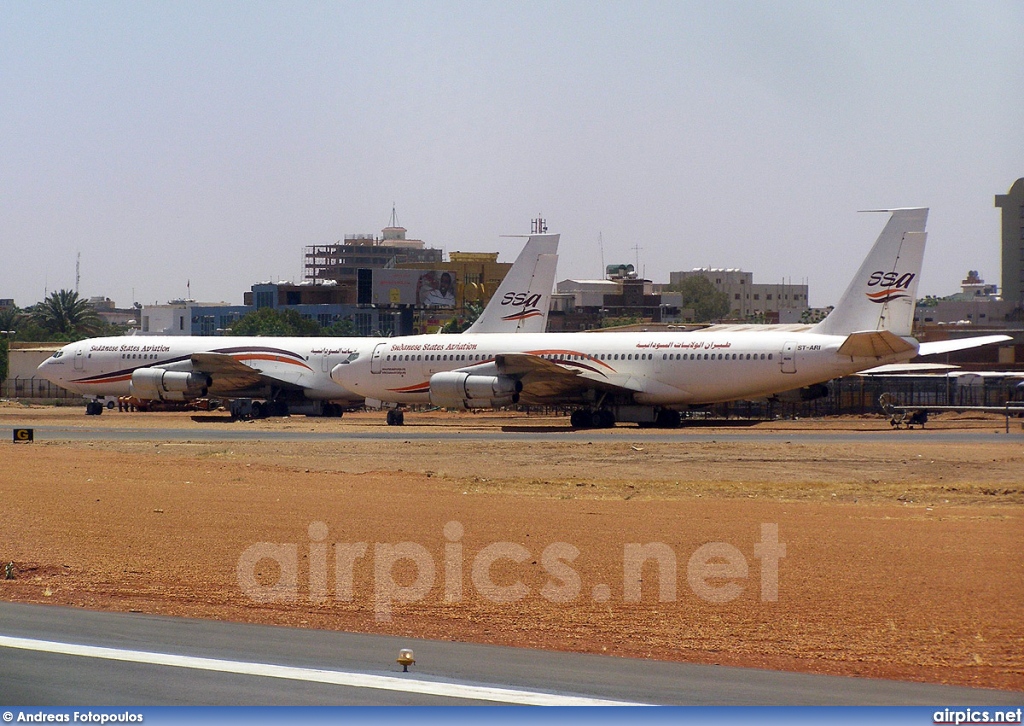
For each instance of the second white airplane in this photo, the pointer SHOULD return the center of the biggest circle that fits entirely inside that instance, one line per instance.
(648, 378)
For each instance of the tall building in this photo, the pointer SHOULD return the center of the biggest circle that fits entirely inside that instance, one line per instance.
(341, 261)
(1012, 205)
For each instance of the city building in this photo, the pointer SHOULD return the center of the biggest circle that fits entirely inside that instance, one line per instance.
(769, 302)
(1012, 205)
(188, 317)
(108, 312)
(590, 304)
(341, 261)
(977, 303)
(472, 278)
(327, 303)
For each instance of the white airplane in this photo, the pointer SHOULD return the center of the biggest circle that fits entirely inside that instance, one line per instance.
(274, 376)
(648, 378)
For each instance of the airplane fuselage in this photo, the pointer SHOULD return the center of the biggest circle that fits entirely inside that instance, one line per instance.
(103, 367)
(663, 369)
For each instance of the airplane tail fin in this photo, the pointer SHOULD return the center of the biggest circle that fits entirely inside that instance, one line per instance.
(883, 293)
(523, 300)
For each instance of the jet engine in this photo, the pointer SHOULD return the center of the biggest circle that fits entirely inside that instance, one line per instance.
(157, 384)
(454, 389)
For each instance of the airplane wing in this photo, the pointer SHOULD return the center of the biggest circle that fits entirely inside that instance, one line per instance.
(948, 346)
(545, 379)
(230, 375)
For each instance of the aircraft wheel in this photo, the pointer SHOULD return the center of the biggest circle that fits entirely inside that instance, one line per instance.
(93, 408)
(258, 410)
(668, 419)
(604, 418)
(333, 410)
(580, 419)
(396, 418)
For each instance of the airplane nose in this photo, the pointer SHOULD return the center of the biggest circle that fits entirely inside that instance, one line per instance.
(47, 370)
(341, 374)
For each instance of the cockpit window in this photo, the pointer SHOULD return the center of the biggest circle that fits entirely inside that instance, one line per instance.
(351, 357)
(58, 354)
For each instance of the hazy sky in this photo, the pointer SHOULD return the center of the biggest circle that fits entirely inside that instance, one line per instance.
(211, 141)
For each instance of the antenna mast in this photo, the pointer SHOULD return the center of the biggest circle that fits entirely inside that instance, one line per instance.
(78, 271)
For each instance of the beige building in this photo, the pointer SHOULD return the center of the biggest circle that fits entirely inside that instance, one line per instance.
(1012, 205)
(776, 302)
(22, 378)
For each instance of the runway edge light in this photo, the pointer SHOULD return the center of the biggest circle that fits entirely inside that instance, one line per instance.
(405, 659)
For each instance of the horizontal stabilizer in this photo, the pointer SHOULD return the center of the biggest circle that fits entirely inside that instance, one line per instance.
(948, 346)
(908, 368)
(874, 344)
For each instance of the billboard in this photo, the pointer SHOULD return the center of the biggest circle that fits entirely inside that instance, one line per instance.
(421, 288)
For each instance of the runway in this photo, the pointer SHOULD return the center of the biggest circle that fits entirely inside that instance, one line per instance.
(131, 659)
(524, 433)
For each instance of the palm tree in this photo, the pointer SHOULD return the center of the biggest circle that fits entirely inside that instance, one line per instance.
(64, 313)
(10, 318)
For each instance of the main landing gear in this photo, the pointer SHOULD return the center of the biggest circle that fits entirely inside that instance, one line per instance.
(602, 418)
(396, 417)
(644, 416)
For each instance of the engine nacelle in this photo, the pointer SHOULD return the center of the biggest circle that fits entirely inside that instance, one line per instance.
(454, 389)
(157, 384)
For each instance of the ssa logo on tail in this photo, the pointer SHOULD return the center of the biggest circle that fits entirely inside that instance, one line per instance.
(524, 300)
(893, 285)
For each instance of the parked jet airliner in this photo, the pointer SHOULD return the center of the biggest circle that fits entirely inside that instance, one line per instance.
(274, 376)
(649, 378)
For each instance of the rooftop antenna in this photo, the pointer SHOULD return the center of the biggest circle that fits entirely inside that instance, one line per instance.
(538, 225)
(636, 249)
(78, 271)
(600, 245)
(394, 216)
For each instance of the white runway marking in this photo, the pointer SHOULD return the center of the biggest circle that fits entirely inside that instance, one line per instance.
(313, 675)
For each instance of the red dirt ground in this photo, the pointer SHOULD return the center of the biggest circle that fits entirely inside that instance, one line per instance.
(902, 560)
